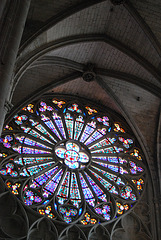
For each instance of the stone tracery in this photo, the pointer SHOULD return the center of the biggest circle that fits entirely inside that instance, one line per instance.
(62, 152)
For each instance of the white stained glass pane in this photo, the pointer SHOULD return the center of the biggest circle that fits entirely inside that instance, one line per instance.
(60, 152)
(83, 157)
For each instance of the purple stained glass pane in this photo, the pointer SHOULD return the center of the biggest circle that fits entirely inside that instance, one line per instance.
(58, 121)
(96, 135)
(74, 191)
(53, 183)
(40, 180)
(50, 125)
(38, 168)
(86, 191)
(96, 188)
(89, 129)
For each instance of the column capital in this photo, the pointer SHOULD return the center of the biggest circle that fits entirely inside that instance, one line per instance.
(8, 106)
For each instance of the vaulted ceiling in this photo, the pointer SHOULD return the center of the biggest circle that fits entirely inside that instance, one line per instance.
(117, 45)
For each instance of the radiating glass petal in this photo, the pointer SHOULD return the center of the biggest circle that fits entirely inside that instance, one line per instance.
(74, 191)
(79, 123)
(64, 189)
(86, 191)
(69, 124)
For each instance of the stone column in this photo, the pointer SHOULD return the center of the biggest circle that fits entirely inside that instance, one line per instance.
(13, 15)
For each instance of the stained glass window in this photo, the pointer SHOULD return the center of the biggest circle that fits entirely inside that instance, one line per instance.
(71, 161)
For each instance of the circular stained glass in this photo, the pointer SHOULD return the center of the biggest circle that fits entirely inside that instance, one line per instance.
(72, 162)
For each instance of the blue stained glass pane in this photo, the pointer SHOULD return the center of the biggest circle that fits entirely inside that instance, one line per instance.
(30, 142)
(113, 168)
(31, 198)
(44, 107)
(33, 122)
(72, 146)
(64, 189)
(123, 171)
(102, 164)
(105, 150)
(134, 168)
(52, 184)
(113, 159)
(109, 150)
(105, 211)
(103, 143)
(17, 149)
(20, 138)
(18, 161)
(40, 180)
(95, 146)
(24, 173)
(43, 130)
(122, 161)
(117, 149)
(74, 191)
(38, 168)
(42, 145)
(72, 165)
(80, 211)
(119, 181)
(79, 123)
(86, 191)
(69, 124)
(101, 158)
(32, 160)
(37, 135)
(44, 118)
(90, 127)
(104, 120)
(112, 140)
(109, 159)
(52, 127)
(25, 129)
(96, 135)
(34, 151)
(105, 183)
(60, 152)
(110, 176)
(59, 123)
(96, 188)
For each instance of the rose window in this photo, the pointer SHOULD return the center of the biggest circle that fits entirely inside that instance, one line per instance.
(72, 161)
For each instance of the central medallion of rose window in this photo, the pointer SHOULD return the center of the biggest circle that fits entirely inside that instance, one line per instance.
(73, 154)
